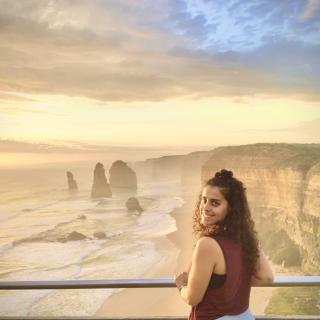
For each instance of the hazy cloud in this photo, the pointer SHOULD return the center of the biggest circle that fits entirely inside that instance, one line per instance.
(72, 148)
(138, 51)
(63, 147)
(13, 98)
(307, 128)
(303, 131)
(14, 111)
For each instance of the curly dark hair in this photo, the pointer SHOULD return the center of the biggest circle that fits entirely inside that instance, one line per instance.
(238, 224)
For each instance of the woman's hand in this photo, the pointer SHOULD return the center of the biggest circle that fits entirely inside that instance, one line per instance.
(181, 279)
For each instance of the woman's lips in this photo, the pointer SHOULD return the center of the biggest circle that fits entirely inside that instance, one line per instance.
(208, 215)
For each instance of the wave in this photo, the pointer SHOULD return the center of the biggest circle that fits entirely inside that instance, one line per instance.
(52, 235)
(41, 250)
(16, 213)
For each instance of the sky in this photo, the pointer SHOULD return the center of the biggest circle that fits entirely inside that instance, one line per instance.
(133, 78)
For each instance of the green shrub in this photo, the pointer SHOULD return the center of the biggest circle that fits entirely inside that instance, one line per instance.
(294, 301)
(281, 248)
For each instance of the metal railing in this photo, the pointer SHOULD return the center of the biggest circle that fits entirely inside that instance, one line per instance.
(294, 281)
(286, 281)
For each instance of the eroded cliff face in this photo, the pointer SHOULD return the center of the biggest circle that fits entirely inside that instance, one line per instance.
(283, 188)
(185, 169)
(167, 168)
(310, 218)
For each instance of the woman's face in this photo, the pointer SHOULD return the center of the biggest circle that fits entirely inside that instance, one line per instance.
(213, 206)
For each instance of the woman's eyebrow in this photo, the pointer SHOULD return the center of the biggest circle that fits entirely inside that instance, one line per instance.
(211, 199)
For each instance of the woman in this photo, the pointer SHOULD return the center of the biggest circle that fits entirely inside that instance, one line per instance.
(226, 260)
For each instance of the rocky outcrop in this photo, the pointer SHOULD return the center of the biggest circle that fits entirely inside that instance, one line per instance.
(72, 184)
(100, 235)
(100, 187)
(75, 236)
(283, 187)
(122, 176)
(52, 236)
(133, 205)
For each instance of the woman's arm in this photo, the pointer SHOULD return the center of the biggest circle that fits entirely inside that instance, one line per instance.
(264, 274)
(195, 283)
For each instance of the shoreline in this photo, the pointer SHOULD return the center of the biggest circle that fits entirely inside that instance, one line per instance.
(158, 301)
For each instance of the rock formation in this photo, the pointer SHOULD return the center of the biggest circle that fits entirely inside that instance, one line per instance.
(75, 236)
(52, 236)
(100, 187)
(72, 184)
(100, 235)
(122, 176)
(133, 205)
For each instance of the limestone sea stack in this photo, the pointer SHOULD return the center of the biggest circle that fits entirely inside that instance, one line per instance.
(100, 187)
(122, 176)
(72, 184)
(133, 205)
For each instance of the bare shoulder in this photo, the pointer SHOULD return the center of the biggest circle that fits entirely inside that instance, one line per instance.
(207, 244)
(206, 251)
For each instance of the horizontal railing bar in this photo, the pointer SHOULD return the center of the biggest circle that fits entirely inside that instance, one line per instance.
(292, 281)
(155, 318)
(295, 281)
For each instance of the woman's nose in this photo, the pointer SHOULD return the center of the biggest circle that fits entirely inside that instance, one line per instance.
(206, 206)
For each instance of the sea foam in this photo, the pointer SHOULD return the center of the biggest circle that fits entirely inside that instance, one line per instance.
(35, 246)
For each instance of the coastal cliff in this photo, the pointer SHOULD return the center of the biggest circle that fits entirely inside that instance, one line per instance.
(283, 188)
(185, 169)
(159, 169)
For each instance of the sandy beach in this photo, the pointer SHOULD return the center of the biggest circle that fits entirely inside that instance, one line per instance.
(176, 252)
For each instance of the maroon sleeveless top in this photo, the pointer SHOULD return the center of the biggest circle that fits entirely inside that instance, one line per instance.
(233, 296)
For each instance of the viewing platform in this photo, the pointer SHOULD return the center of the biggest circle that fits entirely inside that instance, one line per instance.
(287, 281)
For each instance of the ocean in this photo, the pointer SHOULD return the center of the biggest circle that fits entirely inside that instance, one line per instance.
(36, 215)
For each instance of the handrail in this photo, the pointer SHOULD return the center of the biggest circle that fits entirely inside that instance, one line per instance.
(279, 281)
(287, 281)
